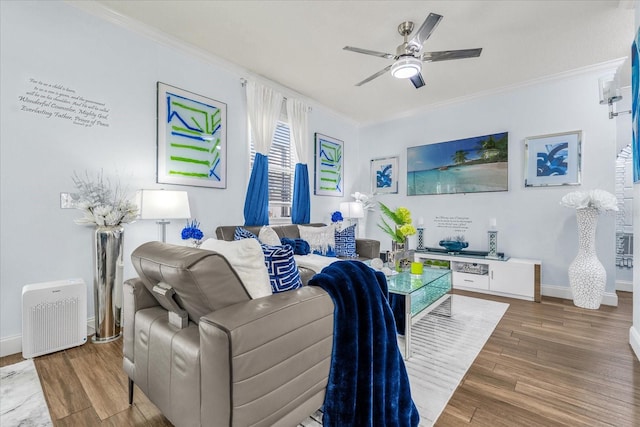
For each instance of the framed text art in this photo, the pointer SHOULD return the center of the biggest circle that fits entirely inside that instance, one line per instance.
(553, 159)
(192, 139)
(384, 175)
(328, 166)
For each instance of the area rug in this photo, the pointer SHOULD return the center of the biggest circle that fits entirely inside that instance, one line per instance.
(21, 398)
(443, 349)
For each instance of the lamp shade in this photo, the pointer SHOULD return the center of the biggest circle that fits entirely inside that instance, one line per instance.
(609, 89)
(163, 204)
(352, 210)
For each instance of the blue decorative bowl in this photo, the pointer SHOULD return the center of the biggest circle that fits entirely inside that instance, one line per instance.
(453, 245)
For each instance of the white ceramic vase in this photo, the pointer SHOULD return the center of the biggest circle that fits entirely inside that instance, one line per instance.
(587, 276)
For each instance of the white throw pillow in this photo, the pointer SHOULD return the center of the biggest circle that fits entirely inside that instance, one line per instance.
(320, 239)
(268, 236)
(247, 259)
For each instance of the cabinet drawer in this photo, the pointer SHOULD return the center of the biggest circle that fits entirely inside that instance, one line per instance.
(468, 280)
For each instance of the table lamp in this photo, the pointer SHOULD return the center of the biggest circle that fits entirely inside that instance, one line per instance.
(351, 210)
(163, 205)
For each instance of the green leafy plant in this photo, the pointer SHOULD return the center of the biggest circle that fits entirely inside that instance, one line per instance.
(401, 220)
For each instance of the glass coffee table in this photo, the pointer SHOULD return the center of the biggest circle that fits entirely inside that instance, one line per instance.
(413, 296)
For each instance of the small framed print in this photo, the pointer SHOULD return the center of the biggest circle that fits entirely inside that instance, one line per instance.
(553, 159)
(384, 175)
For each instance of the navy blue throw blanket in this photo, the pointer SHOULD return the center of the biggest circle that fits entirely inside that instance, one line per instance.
(368, 381)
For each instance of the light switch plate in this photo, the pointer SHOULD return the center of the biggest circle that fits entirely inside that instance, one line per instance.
(66, 201)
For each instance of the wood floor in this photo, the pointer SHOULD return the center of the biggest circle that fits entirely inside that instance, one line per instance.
(546, 364)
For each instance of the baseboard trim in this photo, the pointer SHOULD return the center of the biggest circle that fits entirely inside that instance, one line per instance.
(624, 285)
(634, 341)
(609, 298)
(13, 345)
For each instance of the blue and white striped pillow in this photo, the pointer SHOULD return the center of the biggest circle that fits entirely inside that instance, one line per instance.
(282, 268)
(346, 242)
(243, 233)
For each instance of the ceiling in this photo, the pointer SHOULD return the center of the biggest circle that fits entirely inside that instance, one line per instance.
(298, 44)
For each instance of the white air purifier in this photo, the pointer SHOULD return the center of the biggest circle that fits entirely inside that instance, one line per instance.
(54, 316)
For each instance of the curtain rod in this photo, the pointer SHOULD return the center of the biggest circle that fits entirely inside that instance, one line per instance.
(243, 83)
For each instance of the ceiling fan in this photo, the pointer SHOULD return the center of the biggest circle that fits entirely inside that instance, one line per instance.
(408, 60)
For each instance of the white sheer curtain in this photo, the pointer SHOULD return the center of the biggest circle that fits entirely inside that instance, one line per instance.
(298, 116)
(263, 107)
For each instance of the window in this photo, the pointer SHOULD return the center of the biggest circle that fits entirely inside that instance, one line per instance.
(281, 172)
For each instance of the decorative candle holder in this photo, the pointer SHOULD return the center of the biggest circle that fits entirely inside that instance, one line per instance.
(493, 244)
(420, 239)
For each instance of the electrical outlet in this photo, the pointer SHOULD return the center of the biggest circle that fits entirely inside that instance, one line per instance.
(66, 201)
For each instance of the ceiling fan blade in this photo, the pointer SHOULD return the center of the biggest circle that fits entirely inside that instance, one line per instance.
(369, 52)
(445, 55)
(425, 30)
(417, 80)
(378, 74)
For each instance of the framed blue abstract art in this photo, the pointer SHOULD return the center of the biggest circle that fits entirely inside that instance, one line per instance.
(192, 139)
(384, 175)
(553, 159)
(635, 103)
(329, 161)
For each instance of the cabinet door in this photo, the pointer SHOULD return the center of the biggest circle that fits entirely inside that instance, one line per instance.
(512, 278)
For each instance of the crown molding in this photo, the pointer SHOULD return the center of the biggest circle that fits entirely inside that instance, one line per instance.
(607, 66)
(103, 12)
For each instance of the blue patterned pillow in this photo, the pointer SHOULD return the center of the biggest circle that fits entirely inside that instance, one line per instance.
(346, 242)
(282, 268)
(243, 233)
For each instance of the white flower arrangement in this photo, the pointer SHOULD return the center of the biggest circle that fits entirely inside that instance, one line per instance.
(597, 199)
(368, 204)
(102, 206)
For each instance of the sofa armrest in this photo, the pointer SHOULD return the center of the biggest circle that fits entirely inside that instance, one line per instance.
(135, 297)
(368, 248)
(280, 342)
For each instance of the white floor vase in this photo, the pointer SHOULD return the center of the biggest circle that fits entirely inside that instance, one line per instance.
(587, 276)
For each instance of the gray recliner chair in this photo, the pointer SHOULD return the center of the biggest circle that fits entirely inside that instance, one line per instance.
(206, 354)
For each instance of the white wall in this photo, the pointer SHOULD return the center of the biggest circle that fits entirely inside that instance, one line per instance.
(56, 43)
(531, 222)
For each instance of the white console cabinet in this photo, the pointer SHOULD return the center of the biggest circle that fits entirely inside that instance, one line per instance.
(515, 277)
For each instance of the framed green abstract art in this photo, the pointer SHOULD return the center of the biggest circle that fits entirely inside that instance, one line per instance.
(192, 139)
(328, 166)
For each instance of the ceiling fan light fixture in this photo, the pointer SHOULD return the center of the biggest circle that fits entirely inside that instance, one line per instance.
(406, 67)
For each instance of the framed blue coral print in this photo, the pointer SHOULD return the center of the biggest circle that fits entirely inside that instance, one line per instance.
(384, 175)
(553, 159)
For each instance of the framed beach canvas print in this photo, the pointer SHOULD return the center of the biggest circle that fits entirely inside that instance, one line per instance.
(553, 159)
(192, 139)
(470, 165)
(328, 166)
(384, 175)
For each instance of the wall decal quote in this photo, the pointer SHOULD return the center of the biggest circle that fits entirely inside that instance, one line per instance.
(52, 100)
